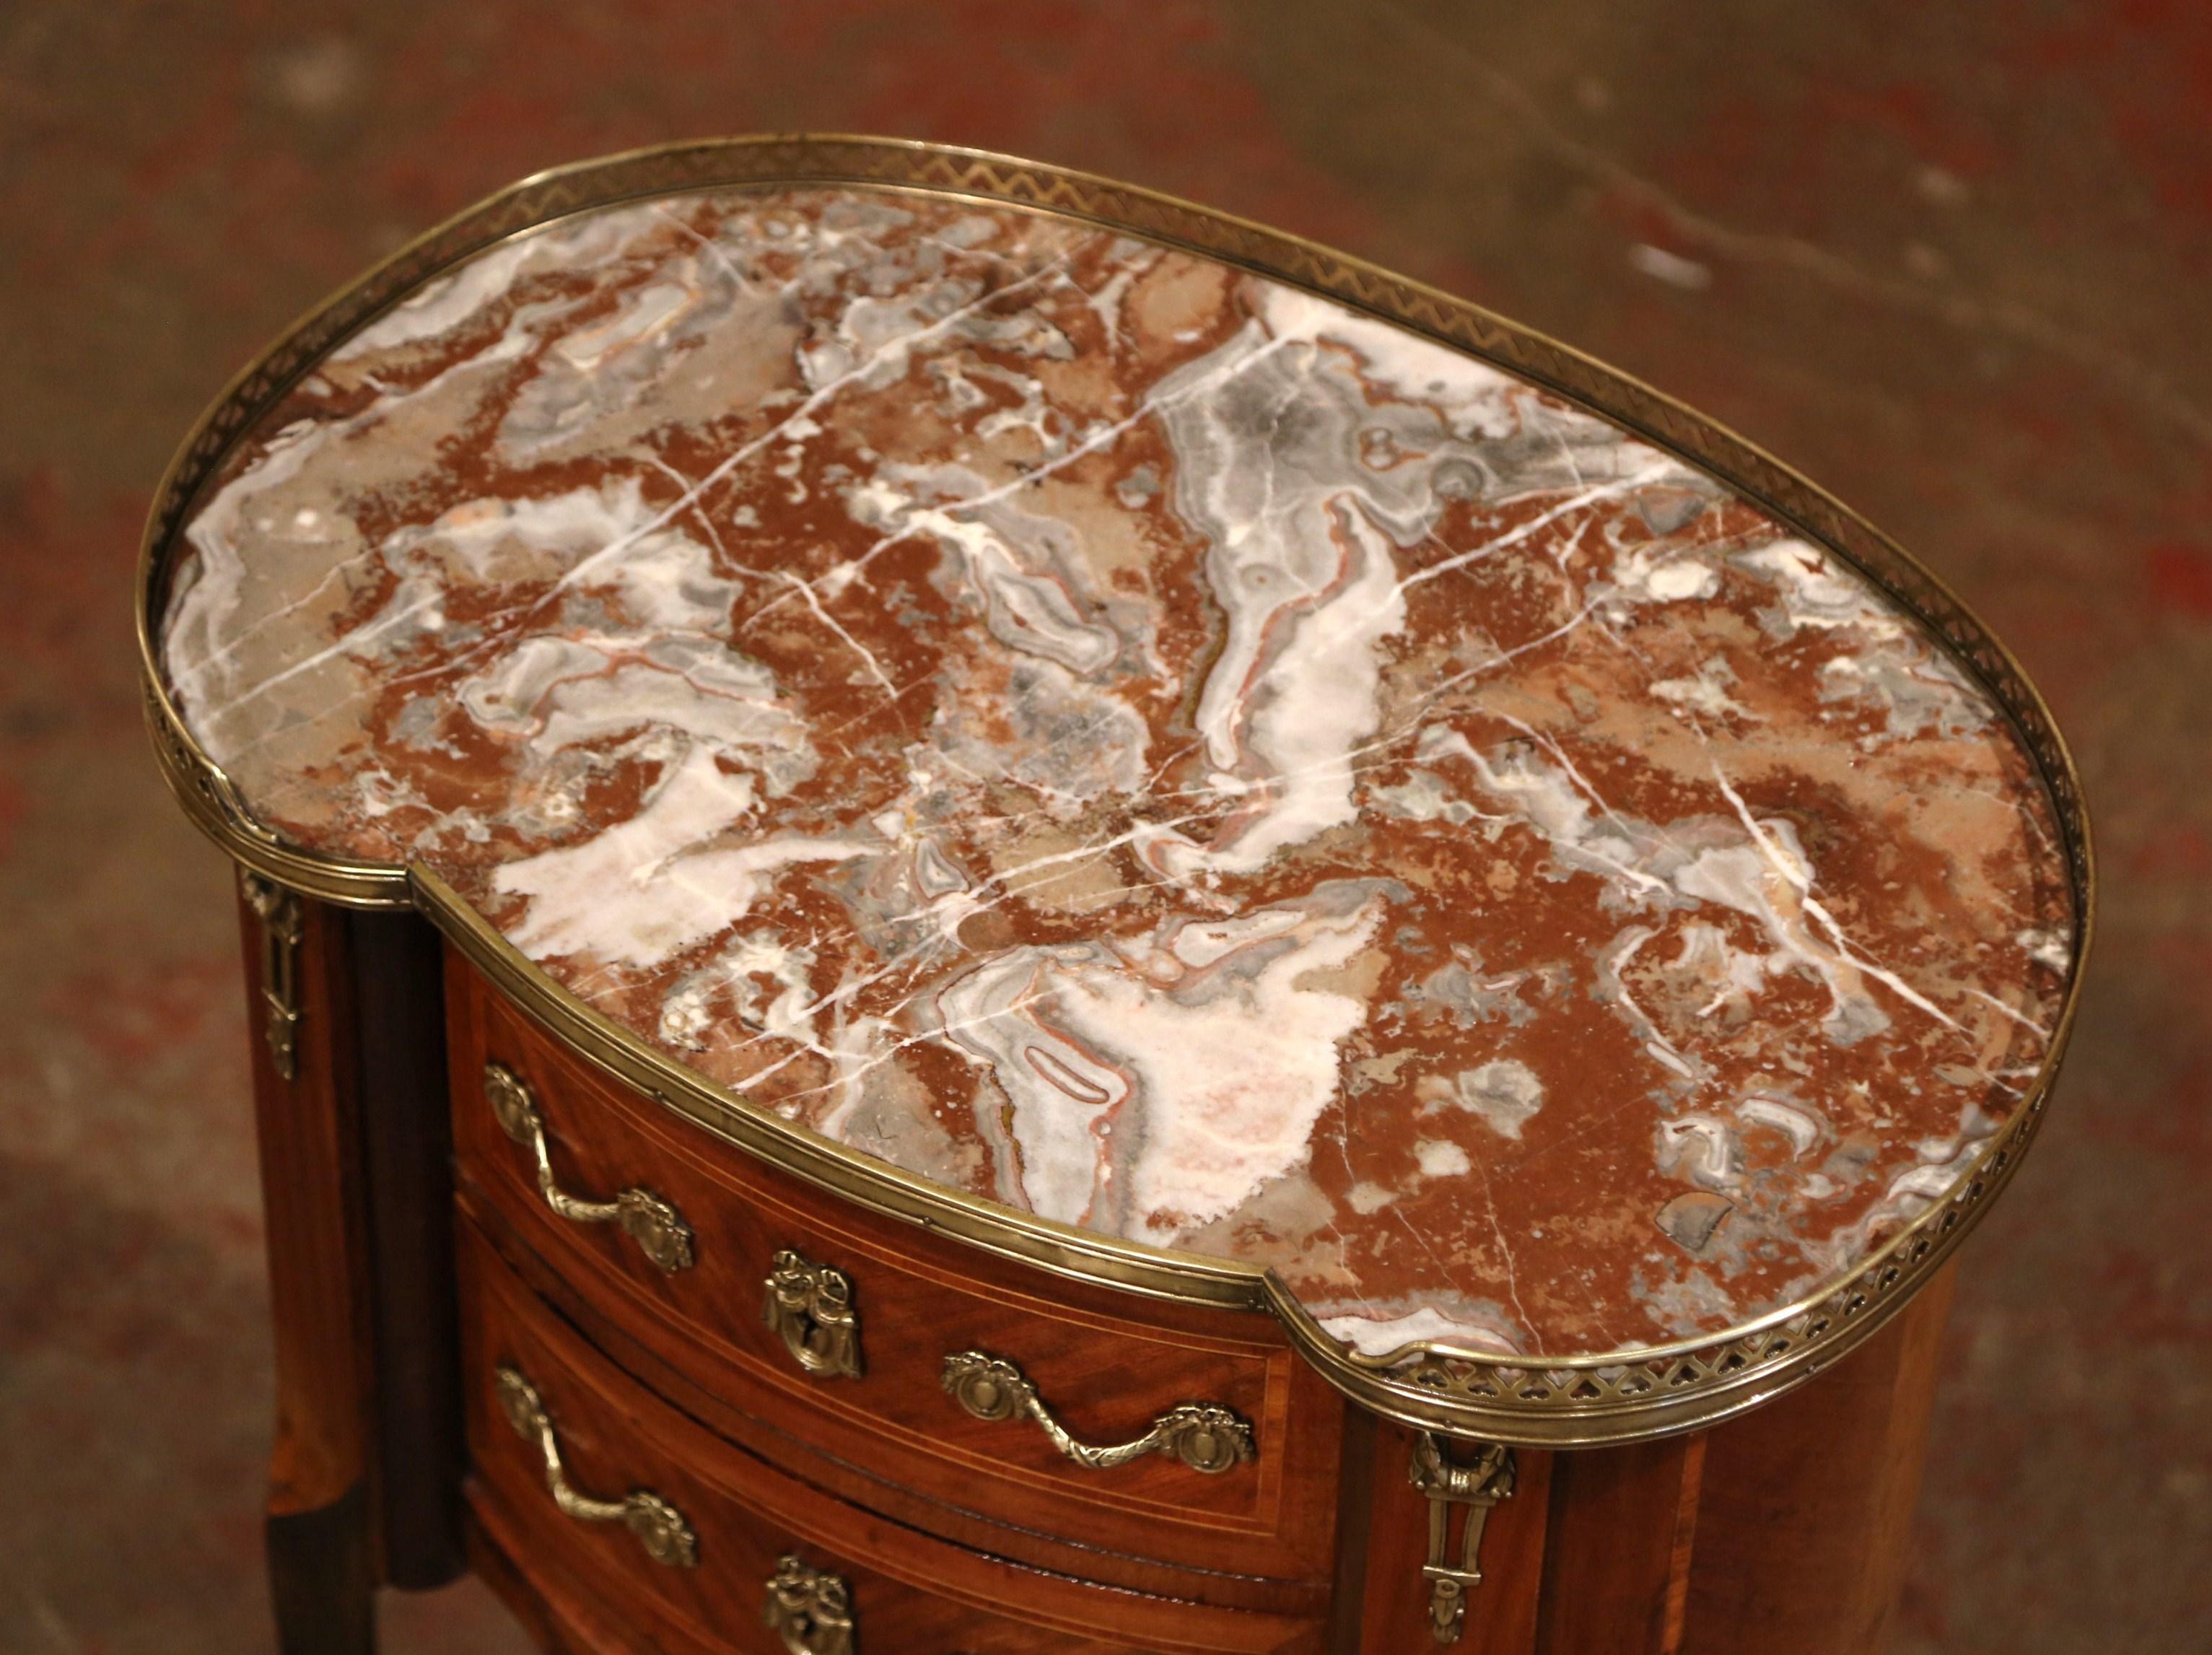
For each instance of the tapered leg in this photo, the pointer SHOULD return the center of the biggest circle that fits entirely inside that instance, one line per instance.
(406, 1160)
(321, 1578)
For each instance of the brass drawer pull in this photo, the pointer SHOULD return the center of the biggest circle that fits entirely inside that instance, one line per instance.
(1203, 1436)
(809, 1306)
(811, 1609)
(657, 1227)
(658, 1526)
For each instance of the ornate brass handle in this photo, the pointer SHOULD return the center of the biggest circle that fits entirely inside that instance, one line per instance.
(1203, 1436)
(809, 1306)
(811, 1609)
(658, 1526)
(657, 1227)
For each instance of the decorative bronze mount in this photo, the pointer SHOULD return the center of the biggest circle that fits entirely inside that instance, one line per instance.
(809, 1307)
(659, 1527)
(657, 1227)
(1203, 1436)
(282, 924)
(1478, 1487)
(811, 1609)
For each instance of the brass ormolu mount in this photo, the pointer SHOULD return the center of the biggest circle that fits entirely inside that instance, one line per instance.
(1479, 1486)
(282, 925)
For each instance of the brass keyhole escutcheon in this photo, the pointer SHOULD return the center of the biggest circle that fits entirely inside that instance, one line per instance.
(809, 1307)
(811, 1609)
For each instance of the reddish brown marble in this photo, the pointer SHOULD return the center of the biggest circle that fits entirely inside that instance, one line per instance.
(1152, 747)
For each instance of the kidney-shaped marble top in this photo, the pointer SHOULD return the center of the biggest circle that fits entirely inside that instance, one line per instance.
(1137, 742)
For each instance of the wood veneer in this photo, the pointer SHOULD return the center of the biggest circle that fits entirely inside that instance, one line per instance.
(1108, 1363)
(406, 1164)
(1783, 1532)
(912, 1592)
(320, 1512)
(355, 1157)
(1805, 1527)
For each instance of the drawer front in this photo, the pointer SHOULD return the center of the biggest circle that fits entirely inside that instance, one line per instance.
(684, 1541)
(959, 1391)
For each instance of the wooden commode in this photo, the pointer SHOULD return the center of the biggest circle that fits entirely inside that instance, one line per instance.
(987, 915)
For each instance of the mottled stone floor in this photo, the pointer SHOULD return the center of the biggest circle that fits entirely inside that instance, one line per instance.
(1950, 260)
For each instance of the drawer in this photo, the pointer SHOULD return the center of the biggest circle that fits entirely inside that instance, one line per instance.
(800, 1324)
(686, 1542)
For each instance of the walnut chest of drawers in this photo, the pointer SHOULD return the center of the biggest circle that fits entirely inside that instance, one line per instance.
(985, 915)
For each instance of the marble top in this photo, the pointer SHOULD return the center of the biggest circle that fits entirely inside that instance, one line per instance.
(1152, 747)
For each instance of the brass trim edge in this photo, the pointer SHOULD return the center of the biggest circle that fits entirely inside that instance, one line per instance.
(1062, 1248)
(1566, 1401)
(1536, 1401)
(213, 805)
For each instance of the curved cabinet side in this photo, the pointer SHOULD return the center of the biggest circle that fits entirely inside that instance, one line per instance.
(320, 1515)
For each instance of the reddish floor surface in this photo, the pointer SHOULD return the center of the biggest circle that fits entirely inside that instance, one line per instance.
(1950, 259)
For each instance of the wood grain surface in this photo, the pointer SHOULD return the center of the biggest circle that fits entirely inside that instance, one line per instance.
(321, 1531)
(1805, 1532)
(1107, 1363)
(913, 1594)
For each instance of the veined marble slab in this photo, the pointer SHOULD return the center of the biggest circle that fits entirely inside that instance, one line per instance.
(1154, 748)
